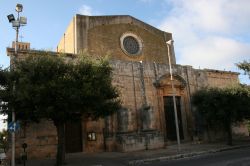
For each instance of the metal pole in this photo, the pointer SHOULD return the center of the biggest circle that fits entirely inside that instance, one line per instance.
(175, 109)
(13, 111)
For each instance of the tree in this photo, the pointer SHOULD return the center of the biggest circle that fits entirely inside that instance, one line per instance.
(245, 65)
(223, 107)
(3, 140)
(55, 88)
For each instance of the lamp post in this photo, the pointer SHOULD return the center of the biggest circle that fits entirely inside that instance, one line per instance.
(169, 43)
(16, 24)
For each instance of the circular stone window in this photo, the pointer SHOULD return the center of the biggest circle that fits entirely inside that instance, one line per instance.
(131, 44)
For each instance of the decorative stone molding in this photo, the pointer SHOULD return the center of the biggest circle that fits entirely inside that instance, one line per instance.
(160, 81)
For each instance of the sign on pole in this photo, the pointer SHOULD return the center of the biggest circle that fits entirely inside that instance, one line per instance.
(13, 126)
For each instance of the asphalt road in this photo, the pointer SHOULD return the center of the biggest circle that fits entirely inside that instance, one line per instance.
(238, 157)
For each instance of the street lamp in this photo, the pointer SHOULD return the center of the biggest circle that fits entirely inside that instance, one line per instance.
(19, 7)
(16, 24)
(11, 17)
(170, 43)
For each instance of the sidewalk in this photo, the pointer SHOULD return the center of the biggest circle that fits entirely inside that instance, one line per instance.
(141, 157)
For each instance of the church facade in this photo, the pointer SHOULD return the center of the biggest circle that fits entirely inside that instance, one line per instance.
(139, 56)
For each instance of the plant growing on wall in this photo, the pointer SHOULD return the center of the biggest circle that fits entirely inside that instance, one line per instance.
(60, 89)
(223, 107)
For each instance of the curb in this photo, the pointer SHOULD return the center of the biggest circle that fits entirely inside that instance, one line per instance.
(184, 155)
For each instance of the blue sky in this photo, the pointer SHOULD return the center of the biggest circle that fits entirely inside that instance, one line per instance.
(211, 34)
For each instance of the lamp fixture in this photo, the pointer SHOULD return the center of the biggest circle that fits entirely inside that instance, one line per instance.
(170, 42)
(19, 7)
(11, 17)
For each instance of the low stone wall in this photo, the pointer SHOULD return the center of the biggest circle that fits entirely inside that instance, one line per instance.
(41, 140)
(240, 130)
(127, 142)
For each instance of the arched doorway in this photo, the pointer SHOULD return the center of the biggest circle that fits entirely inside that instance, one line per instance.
(165, 92)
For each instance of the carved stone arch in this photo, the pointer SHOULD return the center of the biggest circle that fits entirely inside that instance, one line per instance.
(164, 80)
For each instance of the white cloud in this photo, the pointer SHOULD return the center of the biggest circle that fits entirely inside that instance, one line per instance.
(209, 33)
(86, 10)
(214, 52)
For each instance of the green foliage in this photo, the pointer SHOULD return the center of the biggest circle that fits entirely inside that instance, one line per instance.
(47, 87)
(245, 65)
(3, 140)
(58, 88)
(5, 90)
(222, 107)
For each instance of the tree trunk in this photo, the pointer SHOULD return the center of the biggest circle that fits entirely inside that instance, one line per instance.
(229, 133)
(60, 157)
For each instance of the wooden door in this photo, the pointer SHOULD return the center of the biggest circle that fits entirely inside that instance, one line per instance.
(170, 117)
(73, 136)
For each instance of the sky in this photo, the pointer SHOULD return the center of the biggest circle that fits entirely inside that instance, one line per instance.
(213, 34)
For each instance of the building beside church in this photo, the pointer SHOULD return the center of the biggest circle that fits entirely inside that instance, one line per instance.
(139, 58)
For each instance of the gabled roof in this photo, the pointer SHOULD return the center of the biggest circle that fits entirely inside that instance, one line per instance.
(120, 19)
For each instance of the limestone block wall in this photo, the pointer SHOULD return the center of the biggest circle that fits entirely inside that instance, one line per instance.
(216, 78)
(67, 43)
(240, 130)
(138, 83)
(127, 78)
(221, 78)
(105, 39)
(100, 35)
(41, 139)
(96, 126)
(135, 142)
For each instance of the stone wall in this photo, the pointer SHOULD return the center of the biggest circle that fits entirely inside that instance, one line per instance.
(221, 79)
(97, 127)
(67, 43)
(41, 139)
(141, 123)
(128, 77)
(105, 39)
(216, 78)
(100, 35)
